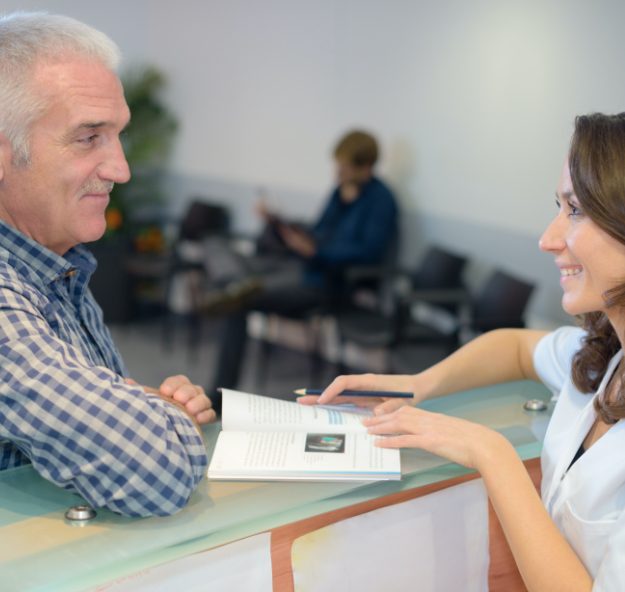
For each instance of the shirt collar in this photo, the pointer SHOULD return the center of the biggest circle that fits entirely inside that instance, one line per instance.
(32, 258)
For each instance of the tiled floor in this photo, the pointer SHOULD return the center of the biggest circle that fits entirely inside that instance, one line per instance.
(149, 359)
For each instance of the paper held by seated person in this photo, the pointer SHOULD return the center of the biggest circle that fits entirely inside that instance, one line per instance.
(265, 439)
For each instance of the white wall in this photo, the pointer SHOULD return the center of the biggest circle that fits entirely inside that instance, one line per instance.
(473, 101)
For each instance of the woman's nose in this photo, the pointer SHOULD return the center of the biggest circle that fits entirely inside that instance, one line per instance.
(553, 236)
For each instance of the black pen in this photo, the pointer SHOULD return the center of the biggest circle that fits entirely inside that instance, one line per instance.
(389, 394)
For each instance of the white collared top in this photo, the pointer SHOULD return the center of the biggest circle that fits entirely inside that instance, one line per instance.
(587, 501)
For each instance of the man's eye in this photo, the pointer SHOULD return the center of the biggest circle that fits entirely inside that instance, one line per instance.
(88, 139)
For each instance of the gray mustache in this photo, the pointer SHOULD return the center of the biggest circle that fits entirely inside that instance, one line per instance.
(98, 187)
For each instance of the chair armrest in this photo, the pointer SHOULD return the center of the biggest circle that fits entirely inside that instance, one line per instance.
(457, 296)
(355, 273)
(242, 243)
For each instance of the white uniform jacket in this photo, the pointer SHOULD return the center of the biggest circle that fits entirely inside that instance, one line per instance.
(586, 502)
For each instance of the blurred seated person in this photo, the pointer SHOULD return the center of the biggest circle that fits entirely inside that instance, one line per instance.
(356, 227)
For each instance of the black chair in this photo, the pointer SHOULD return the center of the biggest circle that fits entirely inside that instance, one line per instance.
(311, 320)
(351, 283)
(187, 271)
(202, 219)
(438, 278)
(501, 303)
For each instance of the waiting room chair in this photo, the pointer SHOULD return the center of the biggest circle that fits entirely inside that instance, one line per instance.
(355, 283)
(437, 277)
(187, 272)
(500, 303)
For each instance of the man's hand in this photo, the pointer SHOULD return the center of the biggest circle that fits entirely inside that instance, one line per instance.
(263, 211)
(298, 240)
(191, 398)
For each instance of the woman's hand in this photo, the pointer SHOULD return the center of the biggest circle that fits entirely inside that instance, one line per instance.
(457, 440)
(366, 382)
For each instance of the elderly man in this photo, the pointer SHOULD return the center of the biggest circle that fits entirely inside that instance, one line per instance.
(65, 405)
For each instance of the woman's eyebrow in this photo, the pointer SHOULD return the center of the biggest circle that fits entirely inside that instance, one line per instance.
(565, 195)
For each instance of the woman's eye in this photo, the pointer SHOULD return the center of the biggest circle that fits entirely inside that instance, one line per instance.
(574, 210)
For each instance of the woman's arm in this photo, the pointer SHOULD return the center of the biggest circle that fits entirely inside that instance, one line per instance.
(545, 559)
(497, 356)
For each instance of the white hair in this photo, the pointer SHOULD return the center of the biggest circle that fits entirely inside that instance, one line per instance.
(26, 38)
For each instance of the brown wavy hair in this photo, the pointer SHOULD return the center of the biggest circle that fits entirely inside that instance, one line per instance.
(597, 165)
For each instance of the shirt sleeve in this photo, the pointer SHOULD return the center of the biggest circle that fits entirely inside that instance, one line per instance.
(378, 224)
(328, 215)
(369, 247)
(553, 356)
(85, 429)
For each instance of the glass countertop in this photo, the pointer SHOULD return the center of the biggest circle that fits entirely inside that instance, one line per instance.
(40, 550)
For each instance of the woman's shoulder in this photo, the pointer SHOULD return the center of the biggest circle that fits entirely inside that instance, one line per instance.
(562, 342)
(554, 353)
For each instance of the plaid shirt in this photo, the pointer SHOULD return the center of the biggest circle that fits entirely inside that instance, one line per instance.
(64, 405)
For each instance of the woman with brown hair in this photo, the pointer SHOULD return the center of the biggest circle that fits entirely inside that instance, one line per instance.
(574, 538)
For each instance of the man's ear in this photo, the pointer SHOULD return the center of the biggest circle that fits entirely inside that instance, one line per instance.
(6, 155)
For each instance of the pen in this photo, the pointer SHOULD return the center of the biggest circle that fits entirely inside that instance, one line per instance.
(389, 394)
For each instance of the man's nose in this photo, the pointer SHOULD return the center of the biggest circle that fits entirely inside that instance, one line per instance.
(115, 167)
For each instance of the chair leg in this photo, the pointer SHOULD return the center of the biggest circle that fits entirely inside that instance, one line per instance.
(167, 330)
(264, 355)
(341, 366)
(194, 333)
(455, 341)
(316, 361)
(388, 365)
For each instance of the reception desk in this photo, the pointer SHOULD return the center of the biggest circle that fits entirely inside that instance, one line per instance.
(41, 550)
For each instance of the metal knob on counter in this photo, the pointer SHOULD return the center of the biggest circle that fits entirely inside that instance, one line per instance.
(534, 405)
(80, 514)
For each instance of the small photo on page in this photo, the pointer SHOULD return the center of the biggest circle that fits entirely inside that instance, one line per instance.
(325, 443)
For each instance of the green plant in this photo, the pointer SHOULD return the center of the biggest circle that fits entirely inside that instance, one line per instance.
(147, 143)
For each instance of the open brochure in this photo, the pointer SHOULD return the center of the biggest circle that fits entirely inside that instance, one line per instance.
(267, 439)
